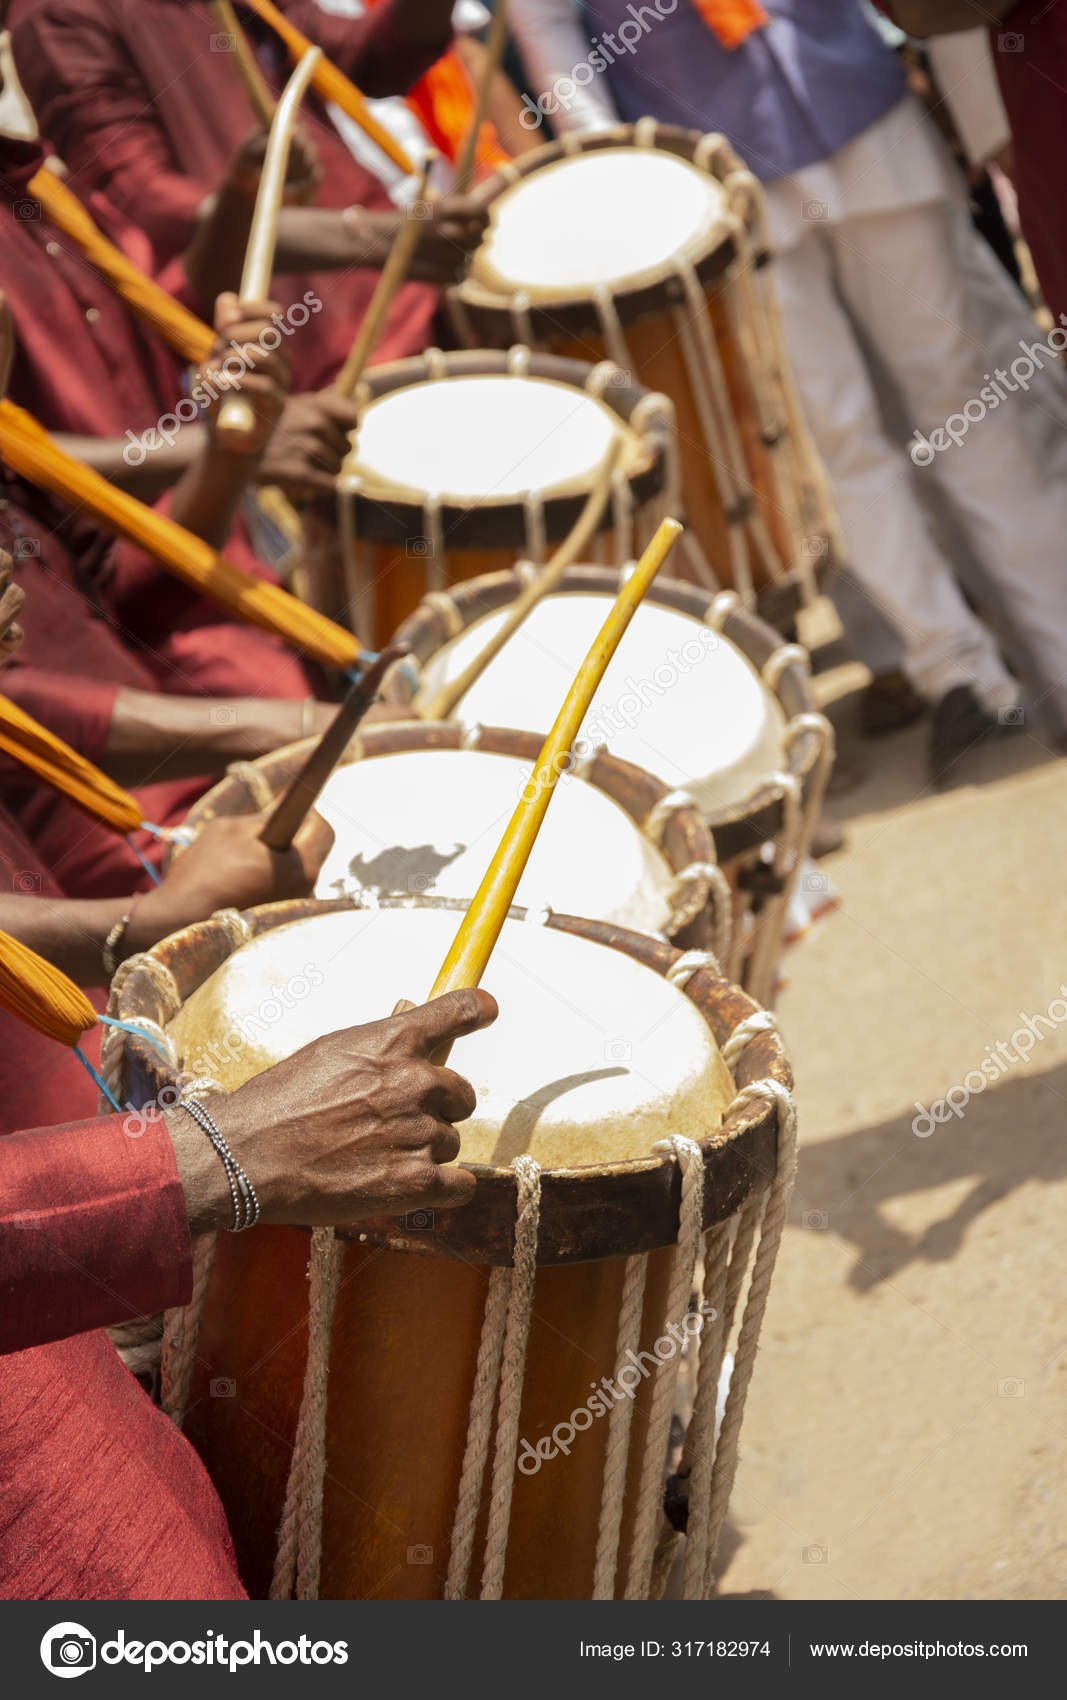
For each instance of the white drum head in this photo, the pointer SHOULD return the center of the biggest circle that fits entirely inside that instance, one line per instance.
(593, 1060)
(428, 821)
(483, 439)
(678, 699)
(606, 217)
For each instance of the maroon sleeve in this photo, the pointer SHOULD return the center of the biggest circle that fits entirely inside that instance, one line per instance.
(93, 1228)
(77, 709)
(89, 100)
(378, 55)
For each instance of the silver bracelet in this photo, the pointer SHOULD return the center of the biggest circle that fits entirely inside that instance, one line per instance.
(111, 947)
(242, 1192)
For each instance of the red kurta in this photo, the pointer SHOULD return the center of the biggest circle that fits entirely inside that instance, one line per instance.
(132, 97)
(82, 362)
(100, 1497)
(1029, 49)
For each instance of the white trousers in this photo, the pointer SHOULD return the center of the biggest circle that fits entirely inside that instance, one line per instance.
(897, 276)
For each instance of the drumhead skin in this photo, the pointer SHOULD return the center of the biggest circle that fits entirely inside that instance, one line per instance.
(487, 438)
(593, 1060)
(598, 218)
(429, 821)
(678, 698)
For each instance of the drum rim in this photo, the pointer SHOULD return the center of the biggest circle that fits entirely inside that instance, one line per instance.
(685, 840)
(637, 1199)
(574, 312)
(396, 517)
(742, 828)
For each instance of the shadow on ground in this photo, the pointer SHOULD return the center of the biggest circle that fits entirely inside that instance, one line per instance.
(1013, 1132)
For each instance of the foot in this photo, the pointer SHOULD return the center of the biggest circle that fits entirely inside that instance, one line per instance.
(959, 724)
(889, 703)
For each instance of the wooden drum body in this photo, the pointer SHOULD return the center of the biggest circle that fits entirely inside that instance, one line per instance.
(417, 809)
(701, 692)
(607, 1043)
(464, 463)
(644, 244)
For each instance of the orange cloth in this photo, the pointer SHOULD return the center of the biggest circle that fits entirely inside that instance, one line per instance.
(443, 102)
(732, 21)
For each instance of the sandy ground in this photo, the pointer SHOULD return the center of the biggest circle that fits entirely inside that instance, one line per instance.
(906, 1427)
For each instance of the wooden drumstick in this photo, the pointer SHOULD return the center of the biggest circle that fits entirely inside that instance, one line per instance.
(393, 273)
(494, 53)
(247, 64)
(481, 925)
(236, 414)
(304, 789)
(438, 705)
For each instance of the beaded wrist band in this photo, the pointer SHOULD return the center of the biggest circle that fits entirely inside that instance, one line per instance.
(242, 1192)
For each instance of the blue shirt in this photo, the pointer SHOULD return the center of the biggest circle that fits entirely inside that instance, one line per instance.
(793, 92)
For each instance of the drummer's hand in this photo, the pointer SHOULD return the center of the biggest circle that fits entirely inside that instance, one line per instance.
(305, 453)
(356, 1124)
(264, 381)
(228, 868)
(452, 229)
(303, 172)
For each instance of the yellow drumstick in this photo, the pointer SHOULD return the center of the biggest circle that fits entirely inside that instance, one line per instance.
(441, 703)
(248, 68)
(236, 414)
(481, 926)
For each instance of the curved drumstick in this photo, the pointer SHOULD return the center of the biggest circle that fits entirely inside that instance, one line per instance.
(393, 273)
(304, 789)
(439, 704)
(481, 926)
(236, 414)
(247, 66)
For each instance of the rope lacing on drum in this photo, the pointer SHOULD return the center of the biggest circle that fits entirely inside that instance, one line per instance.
(448, 609)
(721, 608)
(704, 1480)
(787, 655)
(255, 782)
(691, 891)
(663, 811)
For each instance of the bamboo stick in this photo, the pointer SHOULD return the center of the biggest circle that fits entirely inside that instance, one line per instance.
(440, 704)
(481, 926)
(247, 65)
(392, 276)
(185, 333)
(494, 53)
(28, 450)
(332, 85)
(236, 413)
